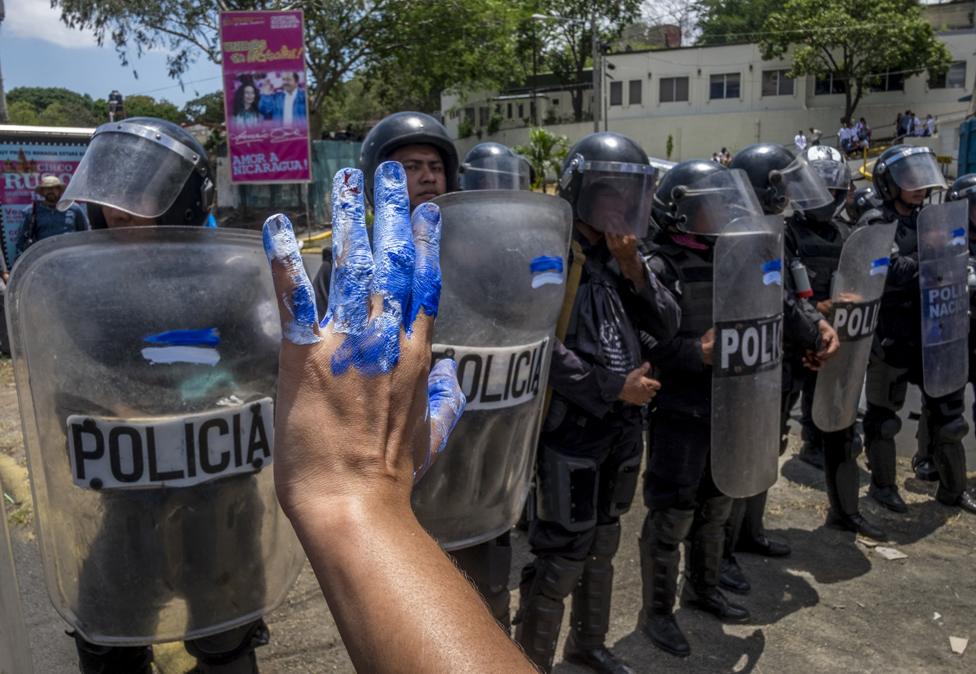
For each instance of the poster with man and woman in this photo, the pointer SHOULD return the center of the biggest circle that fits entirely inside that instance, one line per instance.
(265, 96)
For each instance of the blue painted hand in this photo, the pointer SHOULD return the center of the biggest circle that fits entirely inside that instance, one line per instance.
(356, 395)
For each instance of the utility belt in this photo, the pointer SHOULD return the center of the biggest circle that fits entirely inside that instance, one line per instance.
(564, 416)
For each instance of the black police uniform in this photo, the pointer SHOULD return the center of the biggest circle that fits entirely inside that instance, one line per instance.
(589, 456)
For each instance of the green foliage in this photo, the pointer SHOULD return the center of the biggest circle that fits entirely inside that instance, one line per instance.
(465, 128)
(546, 152)
(730, 21)
(207, 109)
(21, 112)
(54, 106)
(669, 146)
(853, 41)
(352, 105)
(494, 123)
(147, 106)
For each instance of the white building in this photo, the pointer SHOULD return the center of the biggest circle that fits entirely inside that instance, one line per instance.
(705, 98)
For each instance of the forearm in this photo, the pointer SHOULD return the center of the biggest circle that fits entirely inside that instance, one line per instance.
(399, 602)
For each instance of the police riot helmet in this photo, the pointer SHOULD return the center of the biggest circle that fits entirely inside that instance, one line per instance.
(865, 199)
(147, 167)
(493, 166)
(778, 176)
(703, 197)
(964, 187)
(406, 128)
(906, 167)
(829, 164)
(609, 182)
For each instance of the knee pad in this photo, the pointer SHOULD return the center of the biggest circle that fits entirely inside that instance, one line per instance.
(555, 577)
(953, 431)
(567, 490)
(952, 408)
(889, 428)
(623, 486)
(716, 510)
(231, 646)
(606, 541)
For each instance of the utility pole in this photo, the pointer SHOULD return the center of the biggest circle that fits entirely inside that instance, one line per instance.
(597, 93)
(3, 98)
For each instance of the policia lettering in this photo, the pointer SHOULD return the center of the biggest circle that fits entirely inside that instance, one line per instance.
(855, 320)
(946, 300)
(495, 378)
(748, 347)
(174, 452)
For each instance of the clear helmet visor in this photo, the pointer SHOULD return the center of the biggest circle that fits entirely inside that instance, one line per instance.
(128, 168)
(916, 169)
(836, 175)
(497, 172)
(801, 185)
(711, 205)
(616, 197)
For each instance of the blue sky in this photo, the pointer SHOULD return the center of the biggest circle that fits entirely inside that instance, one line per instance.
(36, 49)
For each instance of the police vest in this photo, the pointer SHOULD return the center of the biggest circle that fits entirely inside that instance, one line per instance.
(695, 275)
(820, 255)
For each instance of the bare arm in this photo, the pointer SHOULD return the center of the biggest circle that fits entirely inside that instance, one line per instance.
(360, 414)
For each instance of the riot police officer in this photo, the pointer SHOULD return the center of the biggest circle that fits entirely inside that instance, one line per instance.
(590, 448)
(147, 172)
(679, 491)
(814, 241)
(903, 177)
(779, 178)
(865, 198)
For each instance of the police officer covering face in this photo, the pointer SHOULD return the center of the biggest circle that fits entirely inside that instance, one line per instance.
(148, 510)
(590, 448)
(903, 177)
(814, 240)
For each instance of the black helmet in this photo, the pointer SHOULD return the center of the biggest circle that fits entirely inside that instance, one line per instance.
(829, 164)
(145, 166)
(493, 166)
(865, 199)
(964, 187)
(609, 169)
(778, 177)
(406, 128)
(674, 186)
(906, 167)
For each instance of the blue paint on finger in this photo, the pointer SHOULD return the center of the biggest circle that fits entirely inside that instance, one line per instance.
(393, 247)
(376, 350)
(352, 269)
(298, 299)
(446, 405)
(199, 337)
(426, 293)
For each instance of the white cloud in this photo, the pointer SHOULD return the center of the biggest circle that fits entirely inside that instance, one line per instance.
(35, 19)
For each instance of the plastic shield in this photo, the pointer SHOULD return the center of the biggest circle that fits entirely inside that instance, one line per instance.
(943, 253)
(802, 186)
(713, 205)
(747, 362)
(856, 296)
(495, 172)
(145, 361)
(503, 263)
(14, 653)
(616, 197)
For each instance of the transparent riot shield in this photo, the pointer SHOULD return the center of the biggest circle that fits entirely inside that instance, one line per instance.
(145, 361)
(14, 646)
(503, 263)
(856, 303)
(942, 256)
(747, 361)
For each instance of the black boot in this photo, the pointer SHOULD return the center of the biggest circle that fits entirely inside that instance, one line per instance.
(812, 454)
(94, 659)
(732, 578)
(753, 537)
(843, 482)
(707, 540)
(660, 554)
(949, 454)
(967, 502)
(230, 652)
(889, 498)
(881, 426)
(545, 585)
(590, 618)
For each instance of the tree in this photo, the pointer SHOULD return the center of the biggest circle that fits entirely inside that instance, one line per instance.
(731, 21)
(545, 151)
(856, 43)
(147, 106)
(40, 98)
(207, 109)
(412, 46)
(568, 43)
(20, 112)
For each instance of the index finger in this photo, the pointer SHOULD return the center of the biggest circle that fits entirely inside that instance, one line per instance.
(393, 247)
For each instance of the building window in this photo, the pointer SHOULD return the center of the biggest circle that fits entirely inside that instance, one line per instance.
(953, 78)
(825, 86)
(776, 83)
(634, 92)
(725, 85)
(674, 89)
(616, 93)
(521, 110)
(482, 116)
(889, 82)
(509, 110)
(555, 101)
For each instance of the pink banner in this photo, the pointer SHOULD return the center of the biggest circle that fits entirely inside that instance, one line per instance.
(266, 96)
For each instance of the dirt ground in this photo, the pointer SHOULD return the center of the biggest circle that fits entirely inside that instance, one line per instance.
(835, 605)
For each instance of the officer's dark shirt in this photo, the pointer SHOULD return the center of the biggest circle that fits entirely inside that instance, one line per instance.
(899, 326)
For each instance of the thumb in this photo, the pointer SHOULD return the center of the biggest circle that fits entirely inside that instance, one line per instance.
(645, 368)
(446, 404)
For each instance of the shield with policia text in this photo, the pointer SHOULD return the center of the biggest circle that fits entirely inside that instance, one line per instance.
(856, 302)
(145, 361)
(943, 253)
(503, 264)
(747, 360)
